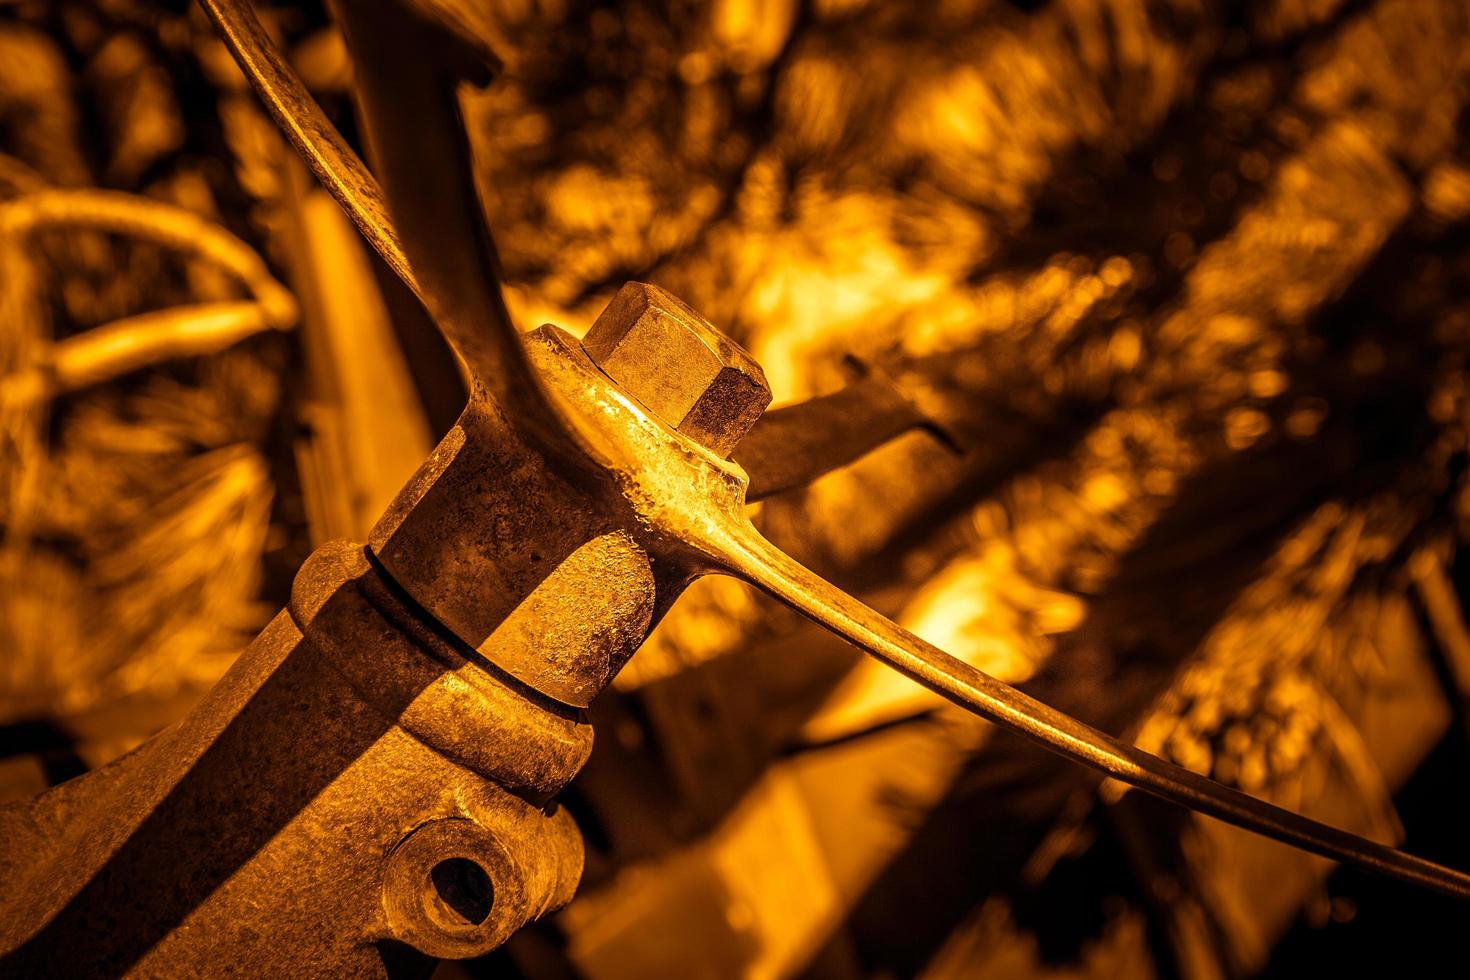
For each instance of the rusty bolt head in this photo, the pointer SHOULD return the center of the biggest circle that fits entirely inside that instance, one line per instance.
(679, 366)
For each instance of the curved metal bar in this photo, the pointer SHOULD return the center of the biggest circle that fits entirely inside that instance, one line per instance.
(435, 239)
(749, 556)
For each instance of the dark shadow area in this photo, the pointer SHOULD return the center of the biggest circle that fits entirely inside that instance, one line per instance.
(54, 748)
(1381, 928)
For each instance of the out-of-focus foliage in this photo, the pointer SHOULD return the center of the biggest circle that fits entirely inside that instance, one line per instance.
(137, 493)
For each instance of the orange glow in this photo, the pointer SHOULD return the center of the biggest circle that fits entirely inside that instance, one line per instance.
(1182, 283)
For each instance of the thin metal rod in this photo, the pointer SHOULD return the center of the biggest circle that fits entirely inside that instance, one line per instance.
(751, 557)
(334, 163)
(429, 212)
(748, 555)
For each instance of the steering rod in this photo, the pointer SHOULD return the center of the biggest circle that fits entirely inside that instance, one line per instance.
(372, 785)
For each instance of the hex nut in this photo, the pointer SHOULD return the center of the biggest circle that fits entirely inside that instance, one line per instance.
(679, 366)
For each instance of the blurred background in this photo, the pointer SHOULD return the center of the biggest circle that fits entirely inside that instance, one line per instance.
(1188, 282)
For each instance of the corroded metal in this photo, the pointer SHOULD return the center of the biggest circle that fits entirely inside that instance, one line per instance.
(370, 786)
(794, 445)
(279, 830)
(679, 366)
(488, 538)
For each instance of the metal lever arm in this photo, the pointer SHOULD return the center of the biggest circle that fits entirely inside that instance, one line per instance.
(707, 515)
(792, 446)
(407, 80)
(333, 162)
(749, 556)
(416, 133)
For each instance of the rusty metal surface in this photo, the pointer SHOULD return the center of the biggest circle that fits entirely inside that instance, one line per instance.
(375, 775)
(407, 713)
(306, 785)
(333, 162)
(794, 445)
(678, 366)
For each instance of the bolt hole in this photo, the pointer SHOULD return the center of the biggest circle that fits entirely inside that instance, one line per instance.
(465, 887)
